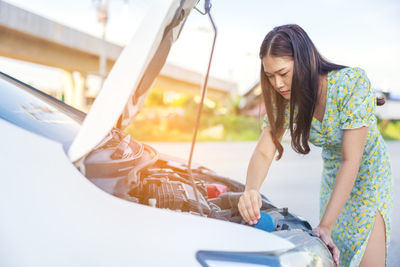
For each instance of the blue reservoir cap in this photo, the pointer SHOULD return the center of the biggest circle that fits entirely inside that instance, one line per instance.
(266, 222)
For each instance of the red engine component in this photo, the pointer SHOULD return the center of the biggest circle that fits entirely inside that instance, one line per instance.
(214, 190)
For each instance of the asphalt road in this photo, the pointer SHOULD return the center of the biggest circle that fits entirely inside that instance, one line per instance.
(292, 182)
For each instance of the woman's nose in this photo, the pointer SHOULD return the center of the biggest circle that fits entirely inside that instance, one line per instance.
(279, 83)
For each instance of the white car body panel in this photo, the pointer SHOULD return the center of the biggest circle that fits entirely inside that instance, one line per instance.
(51, 215)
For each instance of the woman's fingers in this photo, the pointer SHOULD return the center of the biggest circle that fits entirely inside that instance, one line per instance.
(243, 212)
(244, 204)
(325, 236)
(250, 210)
(256, 209)
(249, 206)
(336, 255)
(334, 251)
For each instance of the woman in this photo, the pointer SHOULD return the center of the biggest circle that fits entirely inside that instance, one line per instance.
(332, 106)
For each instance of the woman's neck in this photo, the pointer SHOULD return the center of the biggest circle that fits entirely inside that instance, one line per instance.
(321, 98)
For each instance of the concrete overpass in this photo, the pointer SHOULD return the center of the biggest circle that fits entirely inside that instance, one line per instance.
(29, 37)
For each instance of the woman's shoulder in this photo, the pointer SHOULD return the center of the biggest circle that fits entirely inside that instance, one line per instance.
(347, 75)
(349, 84)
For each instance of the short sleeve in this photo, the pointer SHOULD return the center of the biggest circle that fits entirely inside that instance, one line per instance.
(286, 123)
(358, 101)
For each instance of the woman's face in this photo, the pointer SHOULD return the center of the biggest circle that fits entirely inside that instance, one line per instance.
(279, 72)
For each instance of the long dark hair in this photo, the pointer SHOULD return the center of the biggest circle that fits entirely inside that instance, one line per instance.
(292, 41)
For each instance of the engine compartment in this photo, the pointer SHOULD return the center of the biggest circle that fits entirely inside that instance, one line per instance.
(138, 173)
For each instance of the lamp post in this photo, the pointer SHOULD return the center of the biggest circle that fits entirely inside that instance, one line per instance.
(102, 17)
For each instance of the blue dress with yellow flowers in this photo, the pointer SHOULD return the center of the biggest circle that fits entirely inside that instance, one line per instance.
(350, 104)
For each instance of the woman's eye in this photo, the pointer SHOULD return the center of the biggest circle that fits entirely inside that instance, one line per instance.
(284, 74)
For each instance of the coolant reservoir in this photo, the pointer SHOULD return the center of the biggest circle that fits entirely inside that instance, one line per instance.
(214, 190)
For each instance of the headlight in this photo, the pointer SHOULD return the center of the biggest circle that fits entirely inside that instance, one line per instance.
(309, 251)
(301, 259)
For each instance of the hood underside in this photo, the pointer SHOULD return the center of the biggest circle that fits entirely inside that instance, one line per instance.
(132, 75)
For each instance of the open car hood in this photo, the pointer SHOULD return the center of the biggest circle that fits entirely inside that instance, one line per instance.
(127, 85)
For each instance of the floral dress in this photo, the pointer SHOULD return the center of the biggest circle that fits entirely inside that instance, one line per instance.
(350, 104)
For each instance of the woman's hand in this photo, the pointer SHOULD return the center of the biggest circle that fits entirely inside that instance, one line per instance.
(249, 206)
(324, 233)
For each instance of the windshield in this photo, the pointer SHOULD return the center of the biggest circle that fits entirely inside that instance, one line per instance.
(37, 112)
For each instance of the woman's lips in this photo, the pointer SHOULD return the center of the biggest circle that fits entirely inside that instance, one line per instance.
(285, 92)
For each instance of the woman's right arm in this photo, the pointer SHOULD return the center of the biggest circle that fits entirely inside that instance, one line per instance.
(250, 202)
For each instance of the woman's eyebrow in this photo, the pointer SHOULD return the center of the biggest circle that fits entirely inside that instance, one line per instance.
(276, 71)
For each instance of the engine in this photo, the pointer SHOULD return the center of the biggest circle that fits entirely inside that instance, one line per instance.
(138, 173)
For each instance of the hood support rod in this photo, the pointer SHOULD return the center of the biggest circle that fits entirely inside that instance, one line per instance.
(207, 7)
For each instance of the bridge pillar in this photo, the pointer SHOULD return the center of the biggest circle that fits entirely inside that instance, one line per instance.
(75, 89)
(68, 85)
(80, 92)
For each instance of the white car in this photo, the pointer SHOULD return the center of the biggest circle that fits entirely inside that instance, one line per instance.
(76, 192)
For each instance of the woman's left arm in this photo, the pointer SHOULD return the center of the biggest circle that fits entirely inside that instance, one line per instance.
(353, 143)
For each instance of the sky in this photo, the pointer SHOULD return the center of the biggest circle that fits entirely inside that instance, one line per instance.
(362, 33)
